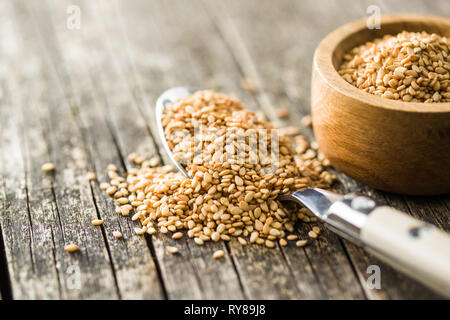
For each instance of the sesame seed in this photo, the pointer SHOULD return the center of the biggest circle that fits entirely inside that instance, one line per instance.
(316, 229)
(117, 234)
(71, 247)
(97, 222)
(312, 235)
(301, 243)
(90, 176)
(282, 112)
(292, 237)
(269, 244)
(408, 66)
(218, 254)
(172, 250)
(177, 235)
(48, 167)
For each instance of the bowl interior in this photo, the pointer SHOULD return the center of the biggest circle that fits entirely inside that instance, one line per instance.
(330, 52)
(388, 26)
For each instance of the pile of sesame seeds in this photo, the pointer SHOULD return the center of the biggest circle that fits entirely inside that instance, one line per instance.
(410, 66)
(233, 187)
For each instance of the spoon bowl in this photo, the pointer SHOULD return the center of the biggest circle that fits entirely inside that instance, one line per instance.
(169, 96)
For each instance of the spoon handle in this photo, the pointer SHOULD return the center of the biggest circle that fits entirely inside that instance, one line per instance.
(416, 248)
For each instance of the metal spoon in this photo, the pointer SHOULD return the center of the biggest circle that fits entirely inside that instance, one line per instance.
(414, 247)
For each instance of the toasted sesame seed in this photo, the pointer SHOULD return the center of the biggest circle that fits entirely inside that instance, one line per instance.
(282, 112)
(198, 241)
(316, 229)
(104, 185)
(172, 250)
(90, 176)
(177, 235)
(215, 236)
(48, 167)
(111, 167)
(301, 243)
(408, 66)
(97, 222)
(218, 254)
(254, 236)
(71, 247)
(122, 200)
(312, 235)
(117, 234)
(292, 237)
(306, 121)
(269, 244)
(242, 241)
(283, 242)
(111, 190)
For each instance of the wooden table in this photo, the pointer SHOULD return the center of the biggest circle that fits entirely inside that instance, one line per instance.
(83, 98)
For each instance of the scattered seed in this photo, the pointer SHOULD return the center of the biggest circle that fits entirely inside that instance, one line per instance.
(218, 254)
(198, 241)
(111, 190)
(90, 176)
(301, 243)
(172, 250)
(248, 84)
(48, 167)
(104, 185)
(71, 247)
(306, 121)
(242, 241)
(97, 222)
(117, 234)
(292, 237)
(312, 235)
(270, 244)
(177, 235)
(111, 167)
(316, 229)
(282, 112)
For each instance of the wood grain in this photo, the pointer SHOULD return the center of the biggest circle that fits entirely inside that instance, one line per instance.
(84, 98)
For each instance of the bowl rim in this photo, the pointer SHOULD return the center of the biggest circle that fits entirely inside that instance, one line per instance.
(323, 64)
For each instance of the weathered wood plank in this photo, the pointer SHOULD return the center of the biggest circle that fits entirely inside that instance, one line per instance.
(66, 188)
(28, 242)
(135, 271)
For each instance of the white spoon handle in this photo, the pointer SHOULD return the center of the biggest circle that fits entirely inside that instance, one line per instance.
(418, 249)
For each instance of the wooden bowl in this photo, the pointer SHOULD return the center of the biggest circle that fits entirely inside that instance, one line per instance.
(395, 146)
